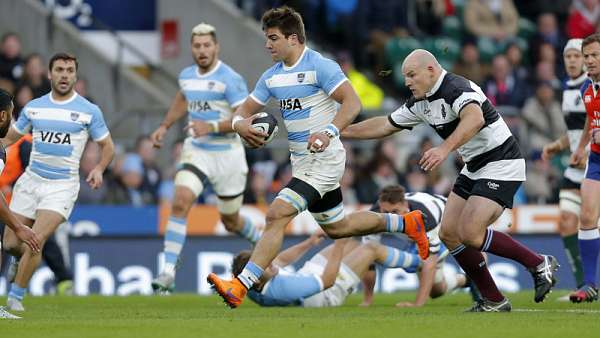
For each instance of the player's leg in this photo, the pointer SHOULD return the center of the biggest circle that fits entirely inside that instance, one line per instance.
(359, 259)
(570, 209)
(46, 222)
(479, 212)
(469, 259)
(329, 214)
(444, 283)
(53, 257)
(14, 247)
(368, 282)
(188, 185)
(290, 201)
(589, 236)
(229, 208)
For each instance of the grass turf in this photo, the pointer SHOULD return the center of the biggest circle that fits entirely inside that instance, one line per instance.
(186, 315)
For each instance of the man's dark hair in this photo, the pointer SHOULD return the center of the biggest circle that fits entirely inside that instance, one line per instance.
(287, 20)
(240, 261)
(590, 39)
(62, 56)
(5, 99)
(392, 194)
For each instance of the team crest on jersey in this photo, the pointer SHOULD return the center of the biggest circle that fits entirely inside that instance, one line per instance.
(74, 116)
(588, 99)
(211, 85)
(301, 77)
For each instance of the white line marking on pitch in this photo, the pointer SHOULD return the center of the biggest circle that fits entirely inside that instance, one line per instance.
(557, 310)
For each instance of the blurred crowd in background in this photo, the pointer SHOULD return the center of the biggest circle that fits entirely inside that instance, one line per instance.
(512, 49)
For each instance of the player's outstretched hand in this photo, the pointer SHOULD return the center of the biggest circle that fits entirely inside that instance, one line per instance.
(157, 136)
(407, 304)
(317, 142)
(255, 138)
(26, 235)
(94, 178)
(433, 158)
(578, 158)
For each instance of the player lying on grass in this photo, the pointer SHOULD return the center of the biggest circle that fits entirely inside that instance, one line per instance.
(328, 277)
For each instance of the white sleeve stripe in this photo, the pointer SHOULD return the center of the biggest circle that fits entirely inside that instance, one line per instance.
(257, 100)
(102, 137)
(336, 86)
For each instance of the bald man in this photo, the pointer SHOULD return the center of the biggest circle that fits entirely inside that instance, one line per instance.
(494, 169)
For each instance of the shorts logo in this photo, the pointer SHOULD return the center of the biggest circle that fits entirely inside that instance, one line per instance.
(493, 185)
(74, 116)
(301, 77)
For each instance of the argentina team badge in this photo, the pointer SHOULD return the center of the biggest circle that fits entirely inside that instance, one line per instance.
(74, 116)
(301, 77)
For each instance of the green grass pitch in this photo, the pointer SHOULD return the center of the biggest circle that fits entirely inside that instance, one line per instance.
(186, 315)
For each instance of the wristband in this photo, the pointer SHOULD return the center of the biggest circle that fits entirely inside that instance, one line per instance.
(235, 120)
(164, 124)
(331, 131)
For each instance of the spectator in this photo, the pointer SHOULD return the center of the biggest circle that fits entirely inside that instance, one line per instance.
(35, 76)
(547, 32)
(126, 188)
(151, 172)
(89, 160)
(431, 13)
(503, 88)
(542, 117)
(469, 65)
(7, 85)
(544, 72)
(370, 95)
(541, 181)
(11, 61)
(495, 19)
(81, 87)
(23, 95)
(584, 19)
(514, 54)
(378, 173)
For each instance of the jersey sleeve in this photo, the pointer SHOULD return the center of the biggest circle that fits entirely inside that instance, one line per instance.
(261, 93)
(23, 123)
(98, 128)
(329, 75)
(405, 117)
(464, 94)
(236, 91)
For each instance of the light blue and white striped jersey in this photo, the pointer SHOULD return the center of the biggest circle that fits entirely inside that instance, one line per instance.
(211, 97)
(60, 131)
(287, 288)
(303, 91)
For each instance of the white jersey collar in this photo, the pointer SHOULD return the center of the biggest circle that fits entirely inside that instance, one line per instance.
(69, 100)
(297, 61)
(577, 81)
(437, 84)
(210, 72)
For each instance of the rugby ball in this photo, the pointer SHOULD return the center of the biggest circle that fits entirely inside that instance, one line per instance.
(266, 123)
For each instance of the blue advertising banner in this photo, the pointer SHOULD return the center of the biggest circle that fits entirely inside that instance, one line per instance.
(91, 220)
(124, 266)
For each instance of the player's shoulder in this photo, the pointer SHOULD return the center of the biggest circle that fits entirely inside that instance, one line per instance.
(453, 82)
(40, 102)
(317, 59)
(229, 73)
(86, 105)
(188, 72)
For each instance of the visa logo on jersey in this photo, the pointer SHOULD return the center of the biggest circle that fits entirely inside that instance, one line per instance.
(290, 104)
(199, 106)
(56, 137)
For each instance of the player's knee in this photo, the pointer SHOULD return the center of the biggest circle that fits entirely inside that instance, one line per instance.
(588, 221)
(336, 230)
(230, 222)
(274, 214)
(438, 290)
(448, 237)
(568, 222)
(181, 206)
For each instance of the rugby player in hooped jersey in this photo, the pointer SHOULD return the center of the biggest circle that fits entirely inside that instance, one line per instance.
(589, 236)
(43, 197)
(494, 169)
(307, 86)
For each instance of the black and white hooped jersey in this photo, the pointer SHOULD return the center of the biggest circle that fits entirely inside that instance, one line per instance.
(574, 113)
(432, 206)
(493, 153)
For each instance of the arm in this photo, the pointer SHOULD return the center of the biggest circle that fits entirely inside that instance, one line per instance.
(107, 149)
(578, 157)
(349, 109)
(293, 253)
(242, 122)
(426, 277)
(471, 121)
(177, 110)
(373, 128)
(555, 147)
(22, 232)
(333, 263)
